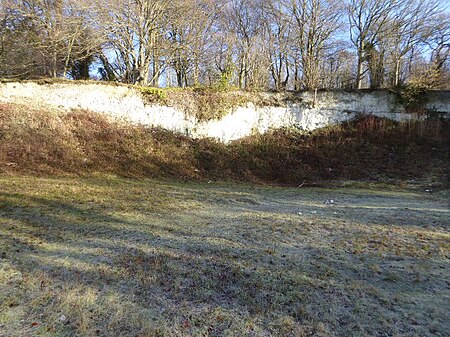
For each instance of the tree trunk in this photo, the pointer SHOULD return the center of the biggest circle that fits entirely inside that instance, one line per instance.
(359, 71)
(397, 73)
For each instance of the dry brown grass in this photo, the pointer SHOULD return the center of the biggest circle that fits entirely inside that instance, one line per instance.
(106, 256)
(34, 141)
(50, 142)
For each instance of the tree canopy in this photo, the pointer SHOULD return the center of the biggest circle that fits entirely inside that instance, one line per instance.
(249, 44)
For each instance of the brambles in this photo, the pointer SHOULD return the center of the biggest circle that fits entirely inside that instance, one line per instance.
(81, 142)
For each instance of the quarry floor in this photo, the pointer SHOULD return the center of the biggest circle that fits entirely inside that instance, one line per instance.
(106, 256)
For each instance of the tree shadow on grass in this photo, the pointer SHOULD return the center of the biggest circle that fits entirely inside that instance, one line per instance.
(167, 267)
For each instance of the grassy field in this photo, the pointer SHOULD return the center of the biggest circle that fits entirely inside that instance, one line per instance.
(106, 256)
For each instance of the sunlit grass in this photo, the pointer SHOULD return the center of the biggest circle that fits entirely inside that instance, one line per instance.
(106, 256)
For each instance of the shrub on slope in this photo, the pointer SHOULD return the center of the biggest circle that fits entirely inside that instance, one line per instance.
(79, 142)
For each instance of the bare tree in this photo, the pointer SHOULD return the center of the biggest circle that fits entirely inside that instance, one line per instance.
(278, 31)
(368, 22)
(16, 49)
(407, 30)
(48, 32)
(276, 44)
(243, 19)
(132, 29)
(189, 39)
(315, 23)
(439, 43)
(338, 66)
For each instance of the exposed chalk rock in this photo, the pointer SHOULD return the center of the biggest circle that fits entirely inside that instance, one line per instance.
(309, 111)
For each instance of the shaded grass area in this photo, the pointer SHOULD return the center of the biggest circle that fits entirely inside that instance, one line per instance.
(106, 256)
(79, 142)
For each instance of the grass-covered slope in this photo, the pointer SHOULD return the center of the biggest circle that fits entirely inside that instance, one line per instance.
(121, 257)
(36, 141)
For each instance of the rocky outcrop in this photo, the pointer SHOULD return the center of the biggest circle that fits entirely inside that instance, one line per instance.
(305, 110)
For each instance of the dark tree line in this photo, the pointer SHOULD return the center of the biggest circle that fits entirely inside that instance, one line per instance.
(250, 44)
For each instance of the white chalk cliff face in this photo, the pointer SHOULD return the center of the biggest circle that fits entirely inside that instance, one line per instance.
(309, 112)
